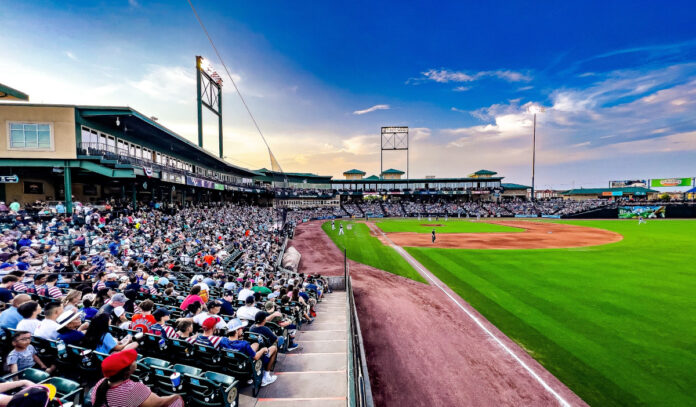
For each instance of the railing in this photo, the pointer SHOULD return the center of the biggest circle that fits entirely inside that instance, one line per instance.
(125, 156)
(281, 253)
(359, 389)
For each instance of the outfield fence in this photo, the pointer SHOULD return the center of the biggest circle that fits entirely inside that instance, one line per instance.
(359, 389)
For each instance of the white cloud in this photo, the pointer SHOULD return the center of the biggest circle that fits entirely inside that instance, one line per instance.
(419, 133)
(443, 75)
(461, 88)
(133, 3)
(372, 109)
(168, 83)
(70, 55)
(454, 109)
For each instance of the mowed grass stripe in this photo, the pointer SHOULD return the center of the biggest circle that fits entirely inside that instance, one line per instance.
(452, 225)
(616, 323)
(366, 249)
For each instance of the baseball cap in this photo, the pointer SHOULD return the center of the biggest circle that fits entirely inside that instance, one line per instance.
(269, 306)
(261, 316)
(118, 311)
(235, 324)
(249, 299)
(160, 313)
(118, 361)
(210, 323)
(119, 298)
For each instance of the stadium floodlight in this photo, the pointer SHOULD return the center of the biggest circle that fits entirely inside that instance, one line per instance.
(534, 109)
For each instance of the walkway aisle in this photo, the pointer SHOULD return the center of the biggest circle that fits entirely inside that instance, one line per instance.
(316, 374)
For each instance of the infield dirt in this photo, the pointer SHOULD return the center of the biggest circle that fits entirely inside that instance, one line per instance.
(536, 235)
(421, 349)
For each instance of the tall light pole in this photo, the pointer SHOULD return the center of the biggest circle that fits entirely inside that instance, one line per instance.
(534, 109)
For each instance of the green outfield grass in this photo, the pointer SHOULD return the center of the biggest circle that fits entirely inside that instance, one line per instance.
(362, 247)
(616, 323)
(453, 225)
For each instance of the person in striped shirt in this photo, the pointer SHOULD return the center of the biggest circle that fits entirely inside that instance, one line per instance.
(50, 289)
(19, 286)
(208, 339)
(100, 282)
(160, 326)
(117, 388)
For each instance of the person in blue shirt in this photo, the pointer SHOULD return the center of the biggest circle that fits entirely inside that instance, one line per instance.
(6, 288)
(60, 208)
(24, 241)
(113, 248)
(10, 317)
(226, 307)
(267, 355)
(70, 327)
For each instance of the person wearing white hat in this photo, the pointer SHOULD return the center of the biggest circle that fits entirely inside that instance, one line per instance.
(235, 334)
(71, 330)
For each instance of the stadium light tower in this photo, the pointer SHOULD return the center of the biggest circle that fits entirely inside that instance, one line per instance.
(534, 109)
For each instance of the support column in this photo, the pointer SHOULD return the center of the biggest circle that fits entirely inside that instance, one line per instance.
(219, 89)
(68, 189)
(135, 202)
(199, 102)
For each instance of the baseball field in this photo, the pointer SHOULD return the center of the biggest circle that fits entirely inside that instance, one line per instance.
(615, 320)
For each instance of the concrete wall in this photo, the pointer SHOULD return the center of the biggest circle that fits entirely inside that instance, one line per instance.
(62, 120)
(16, 191)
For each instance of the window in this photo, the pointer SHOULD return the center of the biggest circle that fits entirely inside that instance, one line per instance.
(31, 136)
(111, 144)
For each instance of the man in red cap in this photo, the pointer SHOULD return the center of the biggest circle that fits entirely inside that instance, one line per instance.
(117, 389)
(208, 339)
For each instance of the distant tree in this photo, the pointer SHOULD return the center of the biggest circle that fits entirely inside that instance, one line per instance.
(665, 197)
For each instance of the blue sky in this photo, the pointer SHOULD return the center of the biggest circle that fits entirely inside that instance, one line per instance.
(617, 80)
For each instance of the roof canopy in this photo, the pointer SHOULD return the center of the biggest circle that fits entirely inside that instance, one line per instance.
(483, 173)
(599, 191)
(8, 93)
(354, 171)
(392, 171)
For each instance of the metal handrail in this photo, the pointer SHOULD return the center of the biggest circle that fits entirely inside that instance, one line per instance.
(359, 387)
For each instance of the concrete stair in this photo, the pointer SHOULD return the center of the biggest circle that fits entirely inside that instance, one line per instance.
(316, 374)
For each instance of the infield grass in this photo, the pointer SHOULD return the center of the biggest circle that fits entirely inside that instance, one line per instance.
(362, 247)
(616, 323)
(453, 225)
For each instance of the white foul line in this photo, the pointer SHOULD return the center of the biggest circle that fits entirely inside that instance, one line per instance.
(426, 274)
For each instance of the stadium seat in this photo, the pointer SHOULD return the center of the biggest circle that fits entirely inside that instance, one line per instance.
(212, 389)
(243, 368)
(31, 374)
(206, 356)
(181, 350)
(67, 390)
(50, 352)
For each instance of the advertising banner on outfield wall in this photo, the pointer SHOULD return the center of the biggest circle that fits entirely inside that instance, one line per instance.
(670, 182)
(630, 212)
(628, 183)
